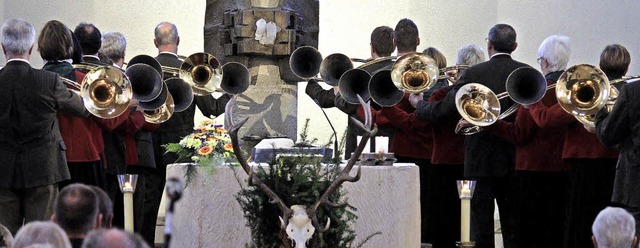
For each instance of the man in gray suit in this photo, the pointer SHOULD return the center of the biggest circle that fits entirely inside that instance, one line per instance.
(32, 157)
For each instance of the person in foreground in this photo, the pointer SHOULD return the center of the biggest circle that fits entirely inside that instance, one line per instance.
(614, 228)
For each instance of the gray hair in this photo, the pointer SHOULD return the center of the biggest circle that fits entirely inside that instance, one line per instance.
(470, 55)
(166, 36)
(18, 37)
(113, 45)
(614, 227)
(41, 234)
(556, 50)
(103, 238)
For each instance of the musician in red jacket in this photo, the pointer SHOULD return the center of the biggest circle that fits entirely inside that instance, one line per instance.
(592, 164)
(541, 174)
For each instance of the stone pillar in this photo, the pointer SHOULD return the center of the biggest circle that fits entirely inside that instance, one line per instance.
(230, 35)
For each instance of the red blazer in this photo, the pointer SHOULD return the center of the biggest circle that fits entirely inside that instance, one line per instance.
(537, 149)
(448, 148)
(83, 136)
(128, 129)
(412, 138)
(579, 143)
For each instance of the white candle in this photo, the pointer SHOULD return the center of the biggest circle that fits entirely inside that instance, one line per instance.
(128, 211)
(382, 144)
(366, 147)
(465, 215)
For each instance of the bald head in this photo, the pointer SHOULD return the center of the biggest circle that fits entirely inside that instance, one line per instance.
(166, 37)
(105, 238)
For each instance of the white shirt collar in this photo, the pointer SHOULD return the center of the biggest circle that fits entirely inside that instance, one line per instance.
(23, 60)
(70, 61)
(92, 56)
(497, 54)
(169, 53)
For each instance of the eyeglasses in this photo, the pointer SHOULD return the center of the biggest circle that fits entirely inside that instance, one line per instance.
(539, 59)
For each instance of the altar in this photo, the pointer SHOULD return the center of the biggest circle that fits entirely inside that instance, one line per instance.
(387, 199)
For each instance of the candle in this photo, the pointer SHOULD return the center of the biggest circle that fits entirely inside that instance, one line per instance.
(382, 144)
(465, 214)
(128, 210)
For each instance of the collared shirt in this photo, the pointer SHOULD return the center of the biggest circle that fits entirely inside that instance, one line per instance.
(92, 56)
(169, 53)
(23, 60)
(496, 54)
(70, 61)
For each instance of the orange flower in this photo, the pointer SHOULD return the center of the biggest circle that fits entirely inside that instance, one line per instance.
(205, 150)
(228, 147)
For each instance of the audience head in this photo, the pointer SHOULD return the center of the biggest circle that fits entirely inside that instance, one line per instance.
(113, 46)
(166, 37)
(615, 60)
(41, 234)
(76, 210)
(6, 238)
(77, 49)
(614, 228)
(406, 38)
(113, 238)
(89, 37)
(554, 53)
(470, 55)
(437, 56)
(382, 42)
(501, 39)
(55, 42)
(18, 37)
(105, 206)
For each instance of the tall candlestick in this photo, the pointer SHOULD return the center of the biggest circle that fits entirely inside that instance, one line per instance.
(465, 216)
(128, 211)
(465, 190)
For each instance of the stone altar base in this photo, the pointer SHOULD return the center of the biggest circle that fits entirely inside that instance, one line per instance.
(387, 199)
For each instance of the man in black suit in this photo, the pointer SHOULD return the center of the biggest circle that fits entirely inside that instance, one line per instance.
(31, 148)
(179, 125)
(488, 159)
(90, 40)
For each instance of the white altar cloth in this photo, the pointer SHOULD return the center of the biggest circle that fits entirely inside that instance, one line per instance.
(387, 199)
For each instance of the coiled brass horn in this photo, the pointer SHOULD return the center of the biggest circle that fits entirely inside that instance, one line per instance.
(306, 62)
(414, 73)
(202, 71)
(161, 114)
(582, 90)
(480, 106)
(105, 90)
(145, 75)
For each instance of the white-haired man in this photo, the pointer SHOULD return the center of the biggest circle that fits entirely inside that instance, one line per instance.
(614, 228)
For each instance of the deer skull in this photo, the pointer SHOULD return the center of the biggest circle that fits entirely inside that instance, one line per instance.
(300, 228)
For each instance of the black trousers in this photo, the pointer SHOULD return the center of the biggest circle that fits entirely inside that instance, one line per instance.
(445, 207)
(487, 190)
(89, 173)
(590, 189)
(541, 202)
(18, 206)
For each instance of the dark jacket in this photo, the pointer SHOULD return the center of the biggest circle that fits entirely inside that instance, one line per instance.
(486, 155)
(31, 147)
(621, 128)
(181, 123)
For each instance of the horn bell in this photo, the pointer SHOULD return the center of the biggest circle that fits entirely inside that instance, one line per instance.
(526, 85)
(156, 102)
(382, 89)
(414, 73)
(305, 62)
(181, 93)
(147, 60)
(354, 82)
(333, 66)
(236, 78)
(477, 104)
(582, 90)
(106, 92)
(145, 80)
(161, 114)
(202, 71)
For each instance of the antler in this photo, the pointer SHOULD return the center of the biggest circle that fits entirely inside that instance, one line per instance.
(344, 176)
(253, 180)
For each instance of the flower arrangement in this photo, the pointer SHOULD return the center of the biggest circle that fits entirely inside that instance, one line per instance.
(209, 144)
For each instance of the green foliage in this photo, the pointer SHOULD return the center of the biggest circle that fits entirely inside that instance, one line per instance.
(299, 181)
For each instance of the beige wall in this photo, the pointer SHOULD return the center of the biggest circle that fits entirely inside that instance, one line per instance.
(446, 25)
